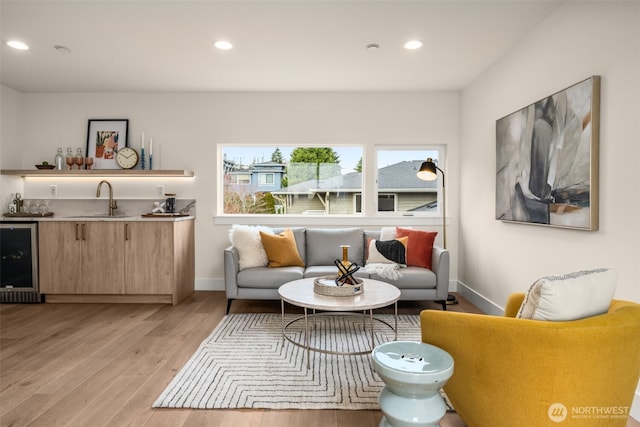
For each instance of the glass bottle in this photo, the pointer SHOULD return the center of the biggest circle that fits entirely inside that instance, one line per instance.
(59, 160)
(343, 266)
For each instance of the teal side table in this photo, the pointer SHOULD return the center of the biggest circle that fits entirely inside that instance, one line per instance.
(413, 374)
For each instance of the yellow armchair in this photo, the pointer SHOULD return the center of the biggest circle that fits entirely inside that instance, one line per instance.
(515, 372)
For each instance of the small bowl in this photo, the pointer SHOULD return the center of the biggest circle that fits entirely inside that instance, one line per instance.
(45, 166)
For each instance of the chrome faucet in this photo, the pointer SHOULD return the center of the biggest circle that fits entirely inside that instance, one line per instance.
(113, 205)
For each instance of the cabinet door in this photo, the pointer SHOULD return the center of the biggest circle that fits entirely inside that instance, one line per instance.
(103, 257)
(149, 248)
(60, 257)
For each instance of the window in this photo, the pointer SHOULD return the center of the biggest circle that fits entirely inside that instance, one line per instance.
(315, 180)
(386, 202)
(307, 180)
(266, 178)
(242, 178)
(399, 189)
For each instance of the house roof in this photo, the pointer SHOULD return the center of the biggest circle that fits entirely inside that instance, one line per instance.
(398, 177)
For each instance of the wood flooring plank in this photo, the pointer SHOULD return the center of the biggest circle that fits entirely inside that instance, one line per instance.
(96, 365)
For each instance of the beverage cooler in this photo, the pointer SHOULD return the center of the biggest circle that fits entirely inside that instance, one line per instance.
(19, 262)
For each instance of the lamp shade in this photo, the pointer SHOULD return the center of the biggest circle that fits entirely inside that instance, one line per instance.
(427, 171)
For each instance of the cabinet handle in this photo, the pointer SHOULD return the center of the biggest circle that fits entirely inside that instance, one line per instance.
(84, 231)
(126, 232)
(77, 231)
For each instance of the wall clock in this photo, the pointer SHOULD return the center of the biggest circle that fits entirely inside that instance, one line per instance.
(127, 158)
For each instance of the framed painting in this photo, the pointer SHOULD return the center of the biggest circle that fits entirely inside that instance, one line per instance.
(547, 160)
(104, 138)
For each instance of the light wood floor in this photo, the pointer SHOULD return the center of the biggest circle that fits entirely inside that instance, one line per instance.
(105, 364)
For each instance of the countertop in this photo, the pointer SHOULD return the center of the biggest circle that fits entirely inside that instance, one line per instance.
(88, 218)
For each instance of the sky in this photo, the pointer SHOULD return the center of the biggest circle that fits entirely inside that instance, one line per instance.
(349, 156)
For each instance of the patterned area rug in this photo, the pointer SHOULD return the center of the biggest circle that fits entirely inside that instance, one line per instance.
(245, 363)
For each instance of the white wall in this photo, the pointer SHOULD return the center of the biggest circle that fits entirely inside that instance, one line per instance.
(10, 153)
(579, 40)
(187, 126)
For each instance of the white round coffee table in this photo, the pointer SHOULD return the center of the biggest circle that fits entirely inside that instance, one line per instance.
(300, 293)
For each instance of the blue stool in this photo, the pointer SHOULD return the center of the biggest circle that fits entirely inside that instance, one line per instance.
(413, 374)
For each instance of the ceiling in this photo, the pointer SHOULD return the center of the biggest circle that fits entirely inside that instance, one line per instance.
(163, 45)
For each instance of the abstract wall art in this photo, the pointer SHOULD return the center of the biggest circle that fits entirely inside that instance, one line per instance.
(547, 160)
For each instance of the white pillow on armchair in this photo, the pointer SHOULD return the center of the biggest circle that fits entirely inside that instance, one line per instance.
(570, 296)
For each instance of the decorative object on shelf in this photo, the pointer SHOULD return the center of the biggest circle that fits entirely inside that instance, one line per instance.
(88, 161)
(127, 158)
(150, 153)
(547, 160)
(69, 160)
(59, 160)
(104, 138)
(45, 165)
(78, 159)
(142, 159)
(327, 285)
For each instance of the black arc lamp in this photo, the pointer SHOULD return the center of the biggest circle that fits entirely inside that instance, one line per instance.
(429, 172)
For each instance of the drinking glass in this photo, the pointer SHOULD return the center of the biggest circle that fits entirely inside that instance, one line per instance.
(79, 161)
(70, 161)
(43, 207)
(88, 161)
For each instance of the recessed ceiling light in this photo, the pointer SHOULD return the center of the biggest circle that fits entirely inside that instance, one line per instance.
(17, 44)
(372, 47)
(413, 44)
(223, 45)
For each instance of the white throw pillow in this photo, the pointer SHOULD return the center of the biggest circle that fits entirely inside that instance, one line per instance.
(246, 239)
(570, 296)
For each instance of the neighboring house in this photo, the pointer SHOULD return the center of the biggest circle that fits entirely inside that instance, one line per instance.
(399, 189)
(258, 177)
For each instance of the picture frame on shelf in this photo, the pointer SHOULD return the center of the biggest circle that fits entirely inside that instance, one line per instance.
(547, 160)
(104, 138)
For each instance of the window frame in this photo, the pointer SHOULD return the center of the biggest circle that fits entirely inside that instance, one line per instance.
(369, 191)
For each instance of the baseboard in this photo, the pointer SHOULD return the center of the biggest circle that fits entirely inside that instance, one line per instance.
(209, 284)
(479, 300)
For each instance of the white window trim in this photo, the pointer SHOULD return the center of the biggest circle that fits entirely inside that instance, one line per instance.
(369, 217)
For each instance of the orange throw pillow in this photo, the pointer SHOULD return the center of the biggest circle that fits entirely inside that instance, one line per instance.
(281, 249)
(419, 247)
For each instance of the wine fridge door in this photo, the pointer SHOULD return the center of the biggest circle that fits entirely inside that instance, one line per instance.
(19, 262)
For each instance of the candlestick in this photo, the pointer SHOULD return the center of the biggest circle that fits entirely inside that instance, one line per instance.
(150, 153)
(142, 157)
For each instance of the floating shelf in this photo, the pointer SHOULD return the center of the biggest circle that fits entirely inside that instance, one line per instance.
(98, 172)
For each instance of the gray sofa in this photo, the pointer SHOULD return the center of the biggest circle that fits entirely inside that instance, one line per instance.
(318, 248)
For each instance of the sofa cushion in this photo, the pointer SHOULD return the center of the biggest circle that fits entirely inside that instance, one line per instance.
(323, 245)
(268, 278)
(246, 239)
(387, 251)
(419, 247)
(281, 249)
(411, 278)
(570, 296)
